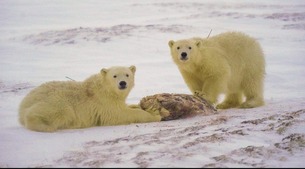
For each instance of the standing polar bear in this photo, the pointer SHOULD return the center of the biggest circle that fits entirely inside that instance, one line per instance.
(97, 101)
(231, 63)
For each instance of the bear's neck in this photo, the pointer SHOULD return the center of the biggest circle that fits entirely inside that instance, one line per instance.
(188, 67)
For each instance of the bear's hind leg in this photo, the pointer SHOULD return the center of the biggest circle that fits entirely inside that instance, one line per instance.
(38, 123)
(231, 100)
(254, 94)
(44, 118)
(251, 103)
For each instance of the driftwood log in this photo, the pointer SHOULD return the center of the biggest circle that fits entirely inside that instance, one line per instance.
(174, 106)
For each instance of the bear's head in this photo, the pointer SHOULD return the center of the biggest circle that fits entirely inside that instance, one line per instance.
(119, 79)
(184, 51)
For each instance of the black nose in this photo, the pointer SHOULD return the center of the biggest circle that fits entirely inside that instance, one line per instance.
(122, 84)
(183, 55)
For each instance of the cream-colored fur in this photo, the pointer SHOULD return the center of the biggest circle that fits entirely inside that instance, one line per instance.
(97, 101)
(231, 63)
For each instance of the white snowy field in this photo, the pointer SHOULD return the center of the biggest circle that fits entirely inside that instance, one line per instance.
(52, 39)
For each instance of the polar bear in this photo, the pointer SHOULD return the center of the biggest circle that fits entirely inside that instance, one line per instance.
(97, 101)
(232, 63)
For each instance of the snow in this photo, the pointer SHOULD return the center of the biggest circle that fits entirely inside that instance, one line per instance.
(51, 40)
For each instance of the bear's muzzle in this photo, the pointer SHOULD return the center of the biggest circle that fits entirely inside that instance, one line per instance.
(122, 85)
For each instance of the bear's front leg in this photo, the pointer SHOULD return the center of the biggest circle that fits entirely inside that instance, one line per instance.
(212, 88)
(193, 83)
(158, 111)
(201, 94)
(152, 110)
(141, 116)
(134, 106)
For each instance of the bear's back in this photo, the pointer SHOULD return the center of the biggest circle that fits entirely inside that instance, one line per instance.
(240, 48)
(51, 90)
(234, 40)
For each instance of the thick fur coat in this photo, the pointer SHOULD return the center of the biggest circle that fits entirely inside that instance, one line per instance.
(97, 101)
(231, 63)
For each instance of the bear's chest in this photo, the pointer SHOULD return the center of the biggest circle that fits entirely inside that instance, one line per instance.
(198, 73)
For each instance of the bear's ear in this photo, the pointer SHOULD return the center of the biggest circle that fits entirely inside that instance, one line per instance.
(171, 43)
(104, 71)
(198, 43)
(133, 69)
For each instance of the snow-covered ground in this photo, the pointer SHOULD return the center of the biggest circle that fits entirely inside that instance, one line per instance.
(52, 39)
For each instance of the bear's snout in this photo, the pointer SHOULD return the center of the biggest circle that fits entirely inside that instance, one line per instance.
(183, 56)
(122, 85)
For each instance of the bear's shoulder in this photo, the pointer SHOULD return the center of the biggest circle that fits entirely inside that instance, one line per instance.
(92, 83)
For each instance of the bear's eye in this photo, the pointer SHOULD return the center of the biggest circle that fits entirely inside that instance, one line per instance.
(114, 76)
(178, 48)
(127, 75)
(190, 48)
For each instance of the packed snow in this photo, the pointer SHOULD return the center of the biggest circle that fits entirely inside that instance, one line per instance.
(50, 40)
